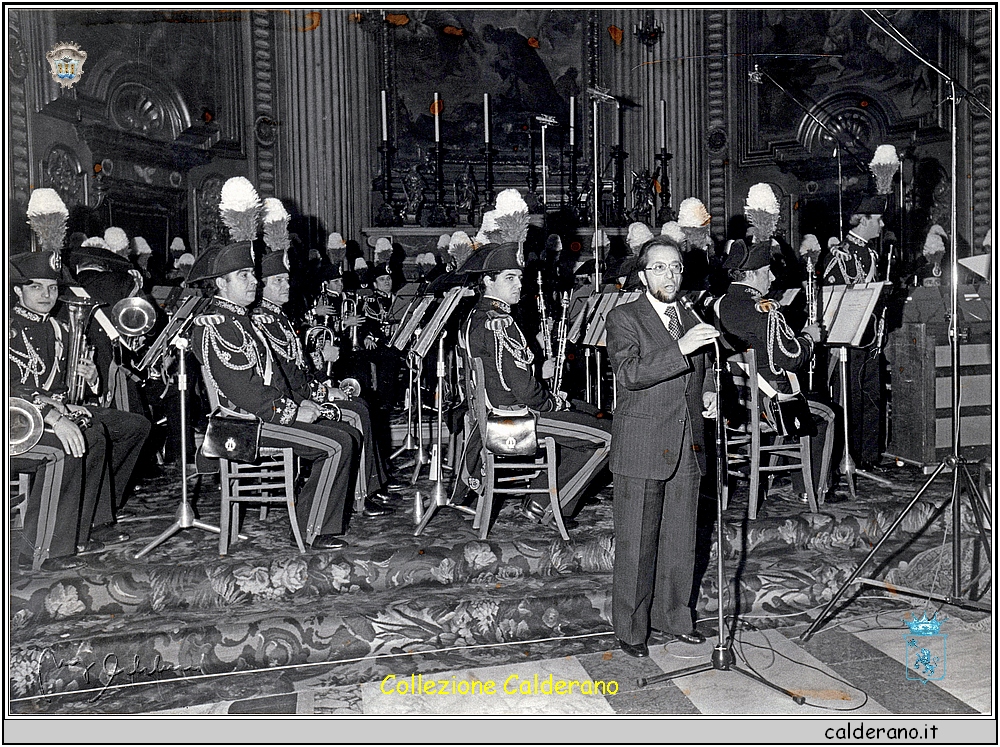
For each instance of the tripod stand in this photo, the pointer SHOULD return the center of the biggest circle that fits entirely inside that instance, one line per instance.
(959, 465)
(185, 518)
(723, 659)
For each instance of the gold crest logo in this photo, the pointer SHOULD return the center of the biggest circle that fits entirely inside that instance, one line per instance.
(66, 63)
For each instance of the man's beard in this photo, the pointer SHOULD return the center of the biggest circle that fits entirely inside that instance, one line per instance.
(661, 295)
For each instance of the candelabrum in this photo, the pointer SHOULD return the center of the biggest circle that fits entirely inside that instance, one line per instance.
(666, 212)
(439, 214)
(388, 213)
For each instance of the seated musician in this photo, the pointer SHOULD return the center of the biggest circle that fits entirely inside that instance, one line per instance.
(269, 317)
(240, 371)
(750, 321)
(87, 454)
(493, 335)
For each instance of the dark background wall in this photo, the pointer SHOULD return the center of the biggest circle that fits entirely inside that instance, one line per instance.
(172, 103)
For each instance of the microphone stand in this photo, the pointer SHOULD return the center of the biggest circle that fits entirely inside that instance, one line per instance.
(723, 659)
(958, 464)
(185, 518)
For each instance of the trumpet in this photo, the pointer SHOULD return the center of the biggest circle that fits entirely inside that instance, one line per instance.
(349, 307)
(79, 351)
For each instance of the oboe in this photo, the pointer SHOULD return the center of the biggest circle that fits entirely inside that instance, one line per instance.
(544, 320)
(562, 334)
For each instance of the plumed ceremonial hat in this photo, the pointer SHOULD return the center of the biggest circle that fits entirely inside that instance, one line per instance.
(44, 265)
(870, 205)
(330, 272)
(379, 270)
(502, 257)
(742, 257)
(638, 234)
(95, 254)
(274, 263)
(221, 260)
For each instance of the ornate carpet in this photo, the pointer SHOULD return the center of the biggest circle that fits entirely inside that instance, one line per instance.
(91, 640)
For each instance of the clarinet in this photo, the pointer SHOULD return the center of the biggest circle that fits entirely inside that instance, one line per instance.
(563, 333)
(544, 320)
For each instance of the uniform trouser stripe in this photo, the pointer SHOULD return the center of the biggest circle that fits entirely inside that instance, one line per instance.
(361, 485)
(571, 429)
(324, 484)
(52, 479)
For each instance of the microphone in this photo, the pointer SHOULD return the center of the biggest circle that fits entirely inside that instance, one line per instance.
(756, 76)
(889, 238)
(689, 305)
(601, 94)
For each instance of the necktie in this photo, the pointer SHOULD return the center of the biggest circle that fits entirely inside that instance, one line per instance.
(673, 323)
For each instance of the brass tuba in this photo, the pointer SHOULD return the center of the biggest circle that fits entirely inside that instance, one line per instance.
(26, 426)
(79, 351)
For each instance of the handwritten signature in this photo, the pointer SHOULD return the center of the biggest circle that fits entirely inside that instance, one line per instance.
(112, 669)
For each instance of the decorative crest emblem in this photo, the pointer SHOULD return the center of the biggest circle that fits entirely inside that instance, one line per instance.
(230, 444)
(926, 651)
(66, 63)
(55, 261)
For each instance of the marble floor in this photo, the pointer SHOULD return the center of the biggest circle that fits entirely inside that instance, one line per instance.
(853, 666)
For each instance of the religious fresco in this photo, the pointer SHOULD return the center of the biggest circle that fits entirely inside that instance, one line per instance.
(841, 65)
(529, 62)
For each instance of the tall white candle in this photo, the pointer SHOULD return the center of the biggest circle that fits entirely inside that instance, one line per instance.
(486, 118)
(385, 118)
(572, 121)
(437, 120)
(663, 124)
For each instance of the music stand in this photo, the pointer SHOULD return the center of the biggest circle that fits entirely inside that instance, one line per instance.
(184, 516)
(411, 320)
(847, 311)
(178, 322)
(421, 347)
(596, 332)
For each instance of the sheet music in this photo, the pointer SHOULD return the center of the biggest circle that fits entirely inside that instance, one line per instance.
(440, 317)
(406, 329)
(597, 329)
(846, 311)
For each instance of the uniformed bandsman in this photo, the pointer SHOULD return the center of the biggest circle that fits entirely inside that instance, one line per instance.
(751, 321)
(376, 330)
(855, 259)
(269, 317)
(84, 469)
(494, 336)
(240, 372)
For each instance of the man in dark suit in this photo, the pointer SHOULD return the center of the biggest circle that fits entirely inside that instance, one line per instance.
(657, 350)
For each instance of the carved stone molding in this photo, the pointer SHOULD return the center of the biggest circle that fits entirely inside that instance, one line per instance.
(61, 171)
(138, 107)
(20, 156)
(717, 117)
(208, 221)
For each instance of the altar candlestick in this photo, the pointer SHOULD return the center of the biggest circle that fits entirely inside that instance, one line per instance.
(663, 124)
(486, 118)
(437, 120)
(572, 121)
(385, 119)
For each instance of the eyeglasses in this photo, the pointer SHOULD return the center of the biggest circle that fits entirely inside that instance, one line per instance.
(661, 268)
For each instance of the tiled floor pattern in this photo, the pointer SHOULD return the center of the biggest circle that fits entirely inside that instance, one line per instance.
(851, 668)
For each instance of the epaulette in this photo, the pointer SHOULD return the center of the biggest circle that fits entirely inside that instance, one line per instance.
(206, 320)
(263, 317)
(497, 322)
(766, 305)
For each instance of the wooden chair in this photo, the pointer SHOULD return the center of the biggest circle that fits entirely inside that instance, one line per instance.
(527, 467)
(749, 438)
(20, 489)
(270, 479)
(23, 471)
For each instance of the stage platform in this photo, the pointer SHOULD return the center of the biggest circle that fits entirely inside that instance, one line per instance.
(96, 639)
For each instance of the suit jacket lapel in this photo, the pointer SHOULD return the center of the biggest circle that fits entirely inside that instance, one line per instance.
(659, 330)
